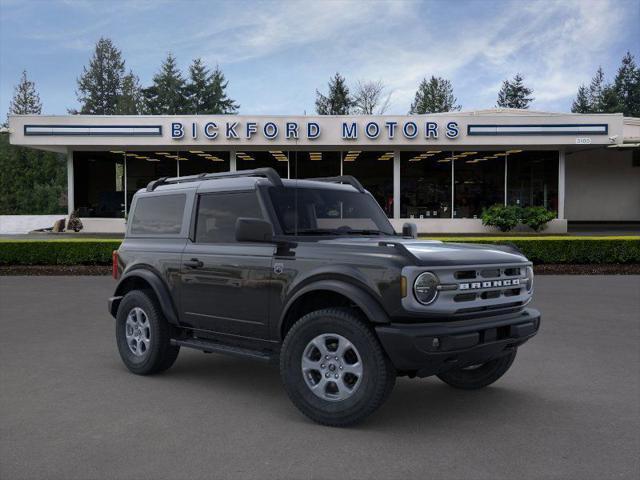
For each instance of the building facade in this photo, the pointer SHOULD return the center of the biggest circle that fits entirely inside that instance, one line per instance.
(439, 171)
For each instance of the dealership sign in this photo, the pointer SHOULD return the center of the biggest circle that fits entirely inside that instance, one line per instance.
(292, 130)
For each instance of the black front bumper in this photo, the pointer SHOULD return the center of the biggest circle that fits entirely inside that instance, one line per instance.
(430, 348)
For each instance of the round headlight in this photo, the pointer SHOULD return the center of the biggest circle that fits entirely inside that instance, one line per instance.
(529, 279)
(425, 288)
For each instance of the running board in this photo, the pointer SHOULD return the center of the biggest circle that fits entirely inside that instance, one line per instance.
(209, 346)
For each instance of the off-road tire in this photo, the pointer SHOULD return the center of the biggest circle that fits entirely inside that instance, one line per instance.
(479, 377)
(161, 354)
(378, 376)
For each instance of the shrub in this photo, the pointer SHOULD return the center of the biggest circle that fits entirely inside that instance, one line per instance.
(536, 217)
(503, 217)
(57, 252)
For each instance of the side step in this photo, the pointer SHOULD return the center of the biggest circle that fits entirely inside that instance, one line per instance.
(209, 346)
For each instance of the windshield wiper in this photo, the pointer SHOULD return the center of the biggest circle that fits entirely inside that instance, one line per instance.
(315, 231)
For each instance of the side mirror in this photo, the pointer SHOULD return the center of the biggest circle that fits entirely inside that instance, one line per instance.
(253, 230)
(410, 230)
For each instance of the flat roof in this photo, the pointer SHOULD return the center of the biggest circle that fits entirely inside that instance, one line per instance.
(492, 127)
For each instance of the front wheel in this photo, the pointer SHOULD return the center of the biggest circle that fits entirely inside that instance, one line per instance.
(334, 369)
(479, 376)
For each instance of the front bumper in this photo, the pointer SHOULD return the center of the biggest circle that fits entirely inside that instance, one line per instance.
(429, 348)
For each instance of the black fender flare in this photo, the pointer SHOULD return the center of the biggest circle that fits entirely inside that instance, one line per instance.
(358, 295)
(157, 285)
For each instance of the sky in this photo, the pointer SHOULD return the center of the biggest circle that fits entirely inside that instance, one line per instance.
(276, 54)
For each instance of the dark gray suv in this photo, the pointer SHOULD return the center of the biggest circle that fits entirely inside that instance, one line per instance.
(310, 273)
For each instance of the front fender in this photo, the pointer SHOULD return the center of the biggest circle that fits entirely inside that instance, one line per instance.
(361, 298)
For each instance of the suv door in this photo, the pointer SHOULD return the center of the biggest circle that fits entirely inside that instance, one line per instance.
(225, 284)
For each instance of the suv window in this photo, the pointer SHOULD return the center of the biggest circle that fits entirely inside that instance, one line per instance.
(158, 215)
(218, 212)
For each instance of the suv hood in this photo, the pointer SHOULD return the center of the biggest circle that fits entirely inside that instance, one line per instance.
(435, 252)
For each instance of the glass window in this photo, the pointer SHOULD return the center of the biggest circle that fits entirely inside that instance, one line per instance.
(217, 215)
(425, 188)
(375, 171)
(314, 164)
(315, 211)
(194, 162)
(479, 182)
(532, 179)
(158, 215)
(99, 184)
(276, 159)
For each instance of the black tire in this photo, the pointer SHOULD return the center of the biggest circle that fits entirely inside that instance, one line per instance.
(160, 354)
(378, 377)
(481, 376)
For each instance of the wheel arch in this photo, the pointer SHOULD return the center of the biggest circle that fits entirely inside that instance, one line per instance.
(326, 293)
(144, 279)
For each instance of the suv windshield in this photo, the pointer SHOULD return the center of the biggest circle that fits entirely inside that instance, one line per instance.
(317, 211)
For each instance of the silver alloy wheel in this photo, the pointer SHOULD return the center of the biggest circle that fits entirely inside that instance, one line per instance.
(138, 331)
(332, 367)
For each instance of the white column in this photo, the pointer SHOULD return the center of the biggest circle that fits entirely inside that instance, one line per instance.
(506, 169)
(232, 161)
(561, 176)
(453, 185)
(126, 198)
(396, 184)
(71, 205)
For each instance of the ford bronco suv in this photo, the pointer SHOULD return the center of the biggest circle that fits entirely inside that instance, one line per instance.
(311, 274)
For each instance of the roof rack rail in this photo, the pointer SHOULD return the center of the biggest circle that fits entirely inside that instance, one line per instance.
(351, 180)
(266, 172)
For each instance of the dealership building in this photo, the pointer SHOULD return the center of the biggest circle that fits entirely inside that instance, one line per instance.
(439, 170)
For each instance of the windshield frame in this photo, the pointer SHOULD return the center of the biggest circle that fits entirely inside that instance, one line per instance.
(265, 192)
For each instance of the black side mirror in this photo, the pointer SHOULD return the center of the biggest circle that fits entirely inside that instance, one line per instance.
(253, 230)
(410, 230)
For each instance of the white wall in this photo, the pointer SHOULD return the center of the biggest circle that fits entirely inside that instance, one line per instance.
(13, 224)
(602, 185)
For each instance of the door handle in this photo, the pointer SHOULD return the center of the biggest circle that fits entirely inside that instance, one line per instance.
(193, 263)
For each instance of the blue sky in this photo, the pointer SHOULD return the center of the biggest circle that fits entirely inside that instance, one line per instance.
(275, 54)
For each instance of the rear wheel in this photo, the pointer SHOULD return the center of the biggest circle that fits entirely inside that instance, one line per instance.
(143, 334)
(478, 376)
(334, 369)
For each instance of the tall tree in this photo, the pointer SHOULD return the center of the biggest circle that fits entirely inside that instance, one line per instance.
(514, 93)
(434, 95)
(206, 92)
(627, 86)
(167, 94)
(371, 98)
(100, 84)
(597, 89)
(337, 101)
(25, 99)
(130, 101)
(581, 104)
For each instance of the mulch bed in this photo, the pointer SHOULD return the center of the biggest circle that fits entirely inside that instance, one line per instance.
(94, 270)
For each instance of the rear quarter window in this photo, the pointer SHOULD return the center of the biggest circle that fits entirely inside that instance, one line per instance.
(158, 215)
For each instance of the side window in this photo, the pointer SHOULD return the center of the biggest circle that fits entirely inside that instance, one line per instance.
(158, 215)
(218, 212)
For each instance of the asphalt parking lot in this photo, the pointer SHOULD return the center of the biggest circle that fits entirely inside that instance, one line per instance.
(568, 408)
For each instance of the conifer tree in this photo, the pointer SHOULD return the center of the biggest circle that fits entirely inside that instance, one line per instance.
(514, 94)
(627, 86)
(206, 92)
(581, 104)
(338, 100)
(25, 99)
(434, 95)
(167, 94)
(130, 101)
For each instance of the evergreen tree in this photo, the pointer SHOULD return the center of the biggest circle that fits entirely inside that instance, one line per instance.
(167, 95)
(627, 86)
(100, 85)
(338, 101)
(206, 92)
(130, 101)
(514, 94)
(596, 91)
(581, 104)
(434, 95)
(25, 99)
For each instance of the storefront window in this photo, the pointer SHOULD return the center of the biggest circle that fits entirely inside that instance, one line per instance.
(425, 186)
(276, 159)
(532, 178)
(99, 184)
(194, 162)
(314, 164)
(478, 182)
(375, 171)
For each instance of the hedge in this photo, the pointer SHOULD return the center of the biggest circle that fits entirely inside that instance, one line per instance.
(57, 252)
(548, 249)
